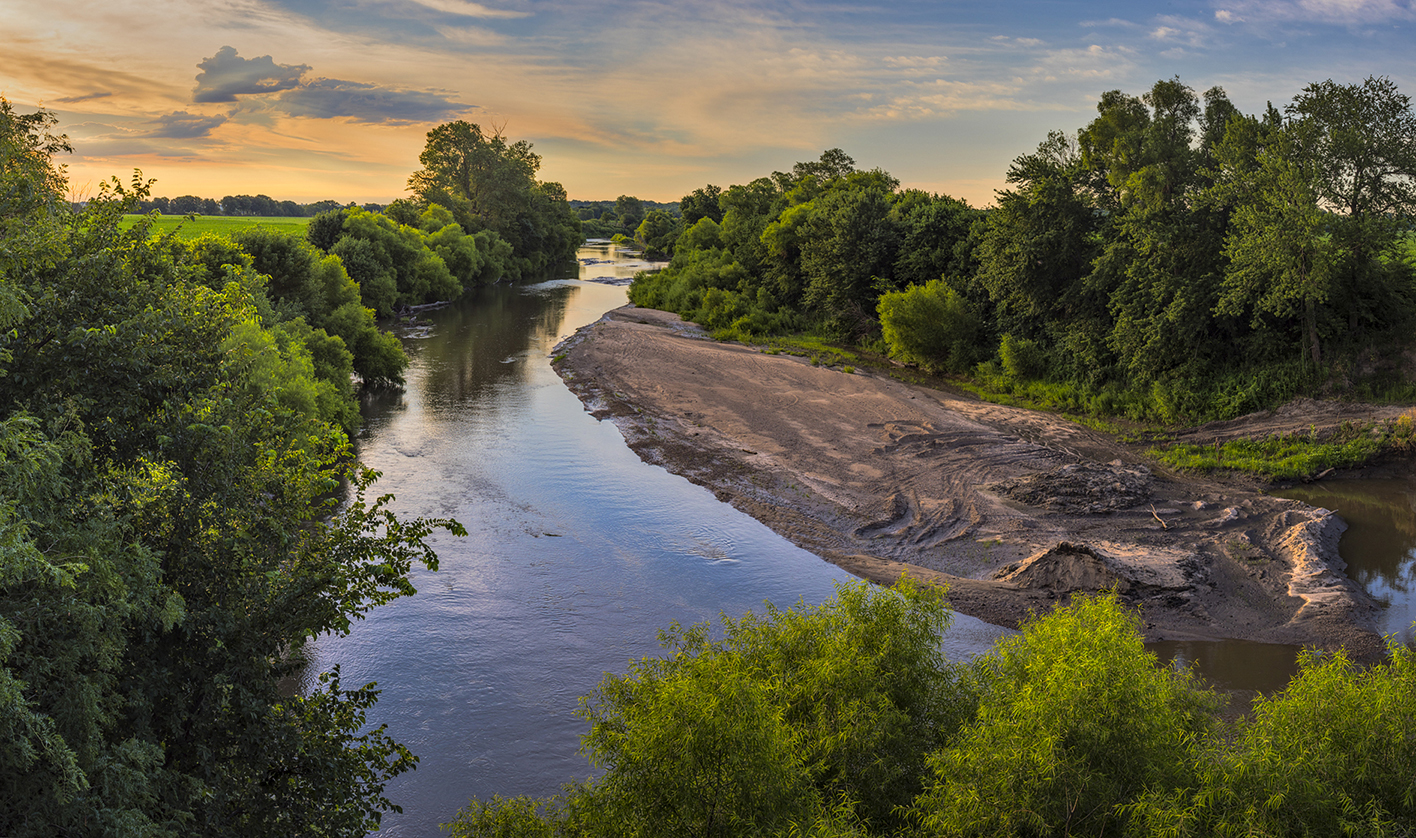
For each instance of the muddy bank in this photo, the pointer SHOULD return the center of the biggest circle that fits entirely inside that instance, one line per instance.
(1015, 510)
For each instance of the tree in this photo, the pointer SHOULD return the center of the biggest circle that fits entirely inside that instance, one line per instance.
(849, 249)
(930, 325)
(629, 210)
(701, 203)
(1037, 251)
(168, 534)
(488, 183)
(480, 177)
(1075, 722)
(1357, 142)
(657, 232)
(1282, 260)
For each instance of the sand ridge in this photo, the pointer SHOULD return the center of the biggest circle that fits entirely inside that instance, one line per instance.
(1013, 509)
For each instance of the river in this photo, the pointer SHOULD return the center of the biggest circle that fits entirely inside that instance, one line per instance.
(577, 554)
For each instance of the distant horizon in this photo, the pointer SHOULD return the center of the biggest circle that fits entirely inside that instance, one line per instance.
(316, 97)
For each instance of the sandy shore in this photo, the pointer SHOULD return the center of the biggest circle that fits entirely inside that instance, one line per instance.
(1013, 509)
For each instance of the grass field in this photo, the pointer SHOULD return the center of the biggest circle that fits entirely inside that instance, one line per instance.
(220, 224)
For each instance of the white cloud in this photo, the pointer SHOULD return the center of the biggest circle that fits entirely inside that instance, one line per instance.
(466, 9)
(472, 36)
(1351, 12)
(1179, 30)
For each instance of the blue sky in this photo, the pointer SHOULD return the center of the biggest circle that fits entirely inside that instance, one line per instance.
(313, 99)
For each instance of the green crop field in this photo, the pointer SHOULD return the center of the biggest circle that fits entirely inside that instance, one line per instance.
(220, 224)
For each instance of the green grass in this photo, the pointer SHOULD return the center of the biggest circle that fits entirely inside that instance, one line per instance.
(1295, 456)
(219, 224)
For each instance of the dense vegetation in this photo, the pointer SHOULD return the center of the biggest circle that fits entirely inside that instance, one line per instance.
(623, 217)
(1175, 259)
(174, 420)
(239, 206)
(846, 720)
(487, 184)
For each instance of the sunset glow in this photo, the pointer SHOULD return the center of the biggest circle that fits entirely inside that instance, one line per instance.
(312, 99)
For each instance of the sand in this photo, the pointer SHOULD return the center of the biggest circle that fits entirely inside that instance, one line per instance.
(1015, 510)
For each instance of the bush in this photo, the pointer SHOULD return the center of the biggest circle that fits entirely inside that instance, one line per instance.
(930, 325)
(1022, 359)
(1076, 722)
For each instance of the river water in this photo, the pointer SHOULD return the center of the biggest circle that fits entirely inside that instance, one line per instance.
(577, 554)
(1379, 545)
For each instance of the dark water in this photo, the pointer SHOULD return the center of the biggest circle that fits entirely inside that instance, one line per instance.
(578, 553)
(1379, 545)
(1241, 665)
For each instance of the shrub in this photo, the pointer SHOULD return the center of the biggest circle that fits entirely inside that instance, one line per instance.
(1022, 359)
(1076, 721)
(930, 325)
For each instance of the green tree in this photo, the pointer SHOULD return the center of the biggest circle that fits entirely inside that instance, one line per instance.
(849, 249)
(701, 203)
(1036, 254)
(1357, 145)
(657, 233)
(629, 210)
(315, 286)
(1282, 259)
(488, 183)
(167, 535)
(1075, 723)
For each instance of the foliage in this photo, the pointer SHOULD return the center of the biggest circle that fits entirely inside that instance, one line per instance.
(930, 325)
(488, 183)
(1075, 721)
(812, 717)
(656, 233)
(1293, 456)
(1173, 260)
(845, 720)
(305, 283)
(1330, 755)
(169, 531)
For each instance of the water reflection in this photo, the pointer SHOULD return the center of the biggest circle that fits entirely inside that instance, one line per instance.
(1380, 543)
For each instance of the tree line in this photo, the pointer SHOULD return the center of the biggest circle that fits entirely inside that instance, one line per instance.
(180, 508)
(845, 719)
(1173, 259)
(620, 217)
(261, 206)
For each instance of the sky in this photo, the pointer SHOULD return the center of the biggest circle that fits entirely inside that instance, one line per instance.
(306, 100)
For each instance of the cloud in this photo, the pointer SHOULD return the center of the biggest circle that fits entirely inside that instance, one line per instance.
(335, 98)
(941, 97)
(70, 100)
(283, 89)
(915, 62)
(472, 36)
(1350, 12)
(227, 75)
(1181, 31)
(466, 9)
(184, 126)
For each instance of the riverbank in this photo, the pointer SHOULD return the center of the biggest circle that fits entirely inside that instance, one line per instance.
(1013, 509)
